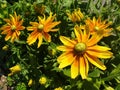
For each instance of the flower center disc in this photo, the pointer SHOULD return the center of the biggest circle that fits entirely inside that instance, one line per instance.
(40, 27)
(80, 47)
(13, 27)
(96, 28)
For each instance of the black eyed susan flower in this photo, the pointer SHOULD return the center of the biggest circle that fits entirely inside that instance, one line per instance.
(80, 52)
(98, 26)
(41, 29)
(12, 28)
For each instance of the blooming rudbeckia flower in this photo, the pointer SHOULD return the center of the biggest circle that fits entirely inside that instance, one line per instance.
(14, 69)
(98, 26)
(76, 15)
(80, 52)
(40, 29)
(12, 28)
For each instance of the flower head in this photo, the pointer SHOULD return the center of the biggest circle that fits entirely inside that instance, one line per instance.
(40, 29)
(98, 26)
(12, 28)
(30, 82)
(59, 88)
(5, 48)
(43, 80)
(15, 69)
(76, 15)
(80, 52)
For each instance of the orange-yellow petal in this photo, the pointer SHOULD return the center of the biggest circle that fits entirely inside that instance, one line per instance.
(66, 41)
(32, 38)
(63, 56)
(30, 28)
(94, 40)
(39, 40)
(75, 69)
(83, 68)
(78, 33)
(100, 54)
(50, 26)
(98, 48)
(67, 60)
(8, 36)
(64, 48)
(95, 61)
(47, 36)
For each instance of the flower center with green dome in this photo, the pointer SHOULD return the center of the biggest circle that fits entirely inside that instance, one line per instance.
(96, 28)
(40, 27)
(80, 47)
(13, 27)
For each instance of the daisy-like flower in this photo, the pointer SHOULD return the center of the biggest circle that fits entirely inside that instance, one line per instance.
(13, 27)
(76, 15)
(80, 52)
(40, 29)
(98, 26)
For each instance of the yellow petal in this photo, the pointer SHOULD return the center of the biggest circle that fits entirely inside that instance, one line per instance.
(30, 28)
(35, 24)
(32, 38)
(13, 37)
(51, 25)
(82, 68)
(78, 33)
(64, 48)
(66, 41)
(47, 36)
(13, 20)
(66, 61)
(87, 65)
(98, 48)
(100, 54)
(75, 69)
(94, 39)
(63, 56)
(40, 40)
(95, 61)
(8, 36)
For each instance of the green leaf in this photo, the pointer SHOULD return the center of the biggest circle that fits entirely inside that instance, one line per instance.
(67, 72)
(118, 87)
(21, 86)
(95, 73)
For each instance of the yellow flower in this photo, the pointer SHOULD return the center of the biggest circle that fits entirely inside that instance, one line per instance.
(12, 28)
(42, 80)
(30, 82)
(40, 29)
(5, 48)
(80, 52)
(15, 69)
(76, 15)
(98, 26)
(59, 88)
